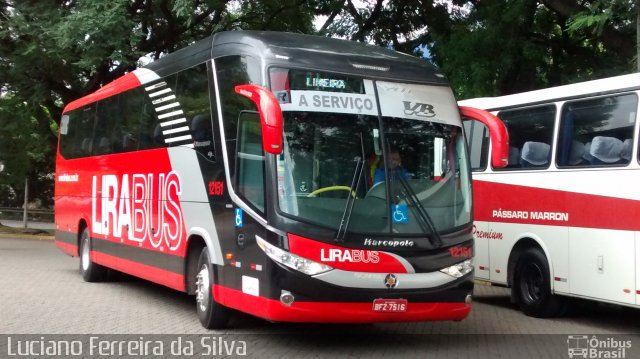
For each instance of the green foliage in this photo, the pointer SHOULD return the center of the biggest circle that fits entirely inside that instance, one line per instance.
(600, 13)
(282, 15)
(93, 31)
(24, 153)
(54, 52)
(501, 47)
(589, 20)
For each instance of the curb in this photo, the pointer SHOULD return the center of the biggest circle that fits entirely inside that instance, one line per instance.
(41, 237)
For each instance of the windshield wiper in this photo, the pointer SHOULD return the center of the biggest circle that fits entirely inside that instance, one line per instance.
(423, 216)
(351, 200)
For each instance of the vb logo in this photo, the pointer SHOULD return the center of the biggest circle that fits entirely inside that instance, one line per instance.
(418, 109)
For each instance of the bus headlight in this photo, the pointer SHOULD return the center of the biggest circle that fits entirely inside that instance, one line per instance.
(291, 260)
(458, 270)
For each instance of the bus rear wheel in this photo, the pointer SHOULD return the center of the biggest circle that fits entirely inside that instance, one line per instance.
(90, 271)
(212, 315)
(532, 286)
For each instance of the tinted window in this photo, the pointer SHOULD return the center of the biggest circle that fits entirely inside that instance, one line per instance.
(478, 144)
(171, 111)
(597, 132)
(76, 133)
(192, 91)
(135, 119)
(250, 159)
(232, 71)
(105, 139)
(530, 136)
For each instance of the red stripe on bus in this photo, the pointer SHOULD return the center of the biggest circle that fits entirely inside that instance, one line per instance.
(115, 87)
(506, 203)
(357, 260)
(153, 274)
(335, 312)
(67, 248)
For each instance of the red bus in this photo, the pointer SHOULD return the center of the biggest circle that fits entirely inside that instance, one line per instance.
(253, 170)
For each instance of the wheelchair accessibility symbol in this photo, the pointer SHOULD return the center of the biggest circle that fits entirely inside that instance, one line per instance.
(238, 217)
(400, 213)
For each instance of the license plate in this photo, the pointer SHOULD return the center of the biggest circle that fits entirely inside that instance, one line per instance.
(390, 305)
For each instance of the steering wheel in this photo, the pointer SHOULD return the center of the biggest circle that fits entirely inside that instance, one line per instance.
(378, 190)
(332, 188)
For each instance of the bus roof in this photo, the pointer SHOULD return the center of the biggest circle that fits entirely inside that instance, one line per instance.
(287, 50)
(307, 51)
(566, 92)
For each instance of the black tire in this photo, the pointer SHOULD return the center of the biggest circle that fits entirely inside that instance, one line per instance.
(532, 286)
(212, 315)
(90, 271)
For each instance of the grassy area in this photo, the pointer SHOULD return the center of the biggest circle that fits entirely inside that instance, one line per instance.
(30, 231)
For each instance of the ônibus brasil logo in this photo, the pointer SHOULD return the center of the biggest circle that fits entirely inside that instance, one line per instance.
(583, 346)
(144, 206)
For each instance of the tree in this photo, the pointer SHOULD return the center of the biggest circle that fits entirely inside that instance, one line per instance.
(56, 51)
(403, 25)
(501, 47)
(24, 153)
(52, 52)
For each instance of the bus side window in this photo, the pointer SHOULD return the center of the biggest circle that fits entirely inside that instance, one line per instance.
(250, 159)
(477, 143)
(107, 116)
(192, 91)
(230, 72)
(150, 128)
(530, 136)
(597, 131)
(132, 124)
(76, 140)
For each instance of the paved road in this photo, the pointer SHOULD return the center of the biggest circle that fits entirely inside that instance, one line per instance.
(42, 292)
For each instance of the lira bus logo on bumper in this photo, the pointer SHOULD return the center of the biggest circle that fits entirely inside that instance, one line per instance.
(145, 206)
(353, 256)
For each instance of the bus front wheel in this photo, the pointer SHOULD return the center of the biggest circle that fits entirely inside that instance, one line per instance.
(90, 271)
(532, 286)
(211, 314)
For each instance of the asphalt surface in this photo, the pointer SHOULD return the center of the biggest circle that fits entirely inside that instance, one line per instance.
(44, 296)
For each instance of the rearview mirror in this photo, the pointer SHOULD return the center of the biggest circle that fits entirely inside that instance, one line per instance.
(497, 132)
(270, 116)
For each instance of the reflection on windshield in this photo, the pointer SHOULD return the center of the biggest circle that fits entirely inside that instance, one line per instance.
(319, 171)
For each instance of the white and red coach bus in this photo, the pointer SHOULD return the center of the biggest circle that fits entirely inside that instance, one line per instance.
(240, 169)
(561, 219)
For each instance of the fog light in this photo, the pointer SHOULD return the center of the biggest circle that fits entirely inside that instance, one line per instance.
(286, 298)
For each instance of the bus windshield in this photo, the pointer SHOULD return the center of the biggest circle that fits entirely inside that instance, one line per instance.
(335, 165)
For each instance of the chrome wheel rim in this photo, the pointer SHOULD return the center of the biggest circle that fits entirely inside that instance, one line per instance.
(86, 259)
(202, 288)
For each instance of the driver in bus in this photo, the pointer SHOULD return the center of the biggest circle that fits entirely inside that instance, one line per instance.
(397, 171)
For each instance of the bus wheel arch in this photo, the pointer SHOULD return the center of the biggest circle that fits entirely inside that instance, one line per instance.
(195, 244)
(82, 224)
(529, 275)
